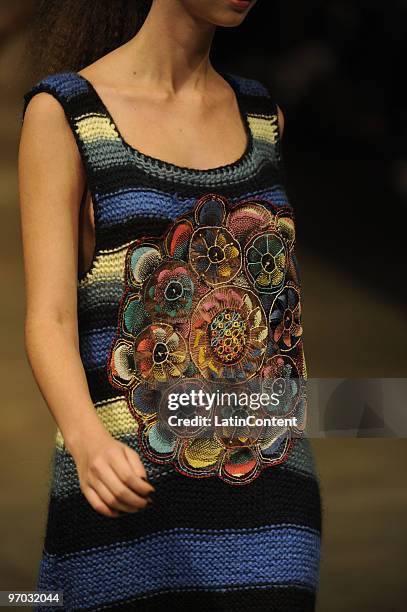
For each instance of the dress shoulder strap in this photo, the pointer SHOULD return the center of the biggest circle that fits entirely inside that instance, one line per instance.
(261, 109)
(100, 146)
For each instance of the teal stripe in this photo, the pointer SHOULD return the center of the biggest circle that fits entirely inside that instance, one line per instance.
(99, 293)
(65, 478)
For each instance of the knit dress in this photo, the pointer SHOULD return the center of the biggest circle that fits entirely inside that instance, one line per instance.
(194, 281)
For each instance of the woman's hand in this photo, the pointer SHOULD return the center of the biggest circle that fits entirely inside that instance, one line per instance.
(112, 476)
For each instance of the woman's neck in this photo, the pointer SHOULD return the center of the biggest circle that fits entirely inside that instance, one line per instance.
(171, 51)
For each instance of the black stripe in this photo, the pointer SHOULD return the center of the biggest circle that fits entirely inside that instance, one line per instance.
(277, 496)
(100, 388)
(259, 105)
(114, 236)
(287, 598)
(83, 103)
(98, 316)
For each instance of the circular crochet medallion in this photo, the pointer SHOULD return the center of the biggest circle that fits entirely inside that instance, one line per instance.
(228, 334)
(213, 305)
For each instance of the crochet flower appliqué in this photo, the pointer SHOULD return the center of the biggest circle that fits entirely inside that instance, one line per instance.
(214, 302)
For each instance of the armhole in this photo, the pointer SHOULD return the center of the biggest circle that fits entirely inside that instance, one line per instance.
(90, 185)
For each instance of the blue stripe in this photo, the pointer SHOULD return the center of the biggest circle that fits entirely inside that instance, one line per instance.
(278, 196)
(126, 205)
(145, 203)
(185, 558)
(71, 84)
(250, 87)
(95, 345)
(67, 84)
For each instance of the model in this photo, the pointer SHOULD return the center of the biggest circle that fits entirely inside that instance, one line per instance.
(161, 278)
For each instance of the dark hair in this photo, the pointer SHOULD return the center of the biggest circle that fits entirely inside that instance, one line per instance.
(71, 34)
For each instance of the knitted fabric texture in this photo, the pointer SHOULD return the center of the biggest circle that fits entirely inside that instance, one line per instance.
(180, 253)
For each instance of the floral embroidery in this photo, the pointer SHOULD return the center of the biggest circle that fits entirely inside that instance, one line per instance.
(215, 255)
(160, 354)
(266, 261)
(215, 301)
(228, 336)
(171, 292)
(285, 318)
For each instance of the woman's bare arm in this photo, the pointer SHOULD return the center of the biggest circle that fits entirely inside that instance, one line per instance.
(51, 184)
(280, 115)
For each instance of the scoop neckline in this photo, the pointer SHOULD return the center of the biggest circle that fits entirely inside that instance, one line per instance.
(172, 166)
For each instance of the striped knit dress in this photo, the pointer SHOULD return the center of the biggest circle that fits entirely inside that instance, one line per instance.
(194, 281)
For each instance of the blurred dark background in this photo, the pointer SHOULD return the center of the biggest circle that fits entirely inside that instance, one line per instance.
(336, 69)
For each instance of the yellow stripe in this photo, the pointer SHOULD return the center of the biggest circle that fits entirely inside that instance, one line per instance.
(106, 266)
(95, 127)
(264, 128)
(115, 416)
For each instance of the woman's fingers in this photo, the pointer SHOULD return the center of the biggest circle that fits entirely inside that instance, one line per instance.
(98, 504)
(134, 460)
(138, 475)
(110, 483)
(116, 495)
